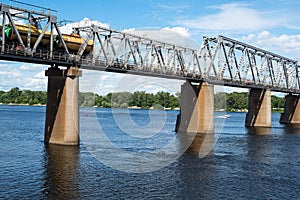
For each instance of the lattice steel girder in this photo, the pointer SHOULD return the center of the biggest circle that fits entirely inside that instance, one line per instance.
(220, 60)
(268, 69)
(37, 23)
(124, 50)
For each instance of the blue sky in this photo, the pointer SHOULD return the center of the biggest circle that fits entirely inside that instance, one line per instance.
(280, 16)
(270, 24)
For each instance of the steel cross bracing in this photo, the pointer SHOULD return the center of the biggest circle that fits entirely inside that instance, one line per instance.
(40, 30)
(238, 64)
(220, 60)
(125, 52)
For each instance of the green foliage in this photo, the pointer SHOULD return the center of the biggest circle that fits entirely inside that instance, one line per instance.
(140, 99)
(87, 99)
(236, 101)
(277, 102)
(220, 101)
(119, 99)
(17, 96)
(239, 101)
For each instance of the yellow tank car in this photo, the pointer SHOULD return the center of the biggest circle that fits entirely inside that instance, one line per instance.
(23, 30)
(73, 42)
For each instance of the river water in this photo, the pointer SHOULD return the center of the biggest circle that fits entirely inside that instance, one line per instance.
(133, 163)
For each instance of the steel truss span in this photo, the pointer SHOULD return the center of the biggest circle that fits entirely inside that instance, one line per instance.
(35, 37)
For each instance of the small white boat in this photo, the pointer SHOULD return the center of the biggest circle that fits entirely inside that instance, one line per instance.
(223, 116)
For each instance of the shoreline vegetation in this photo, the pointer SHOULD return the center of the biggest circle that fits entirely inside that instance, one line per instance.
(231, 102)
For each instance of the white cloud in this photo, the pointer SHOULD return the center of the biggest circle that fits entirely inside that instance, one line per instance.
(175, 7)
(33, 80)
(129, 30)
(30, 67)
(10, 74)
(22, 75)
(35, 84)
(68, 28)
(232, 17)
(176, 35)
(181, 30)
(40, 75)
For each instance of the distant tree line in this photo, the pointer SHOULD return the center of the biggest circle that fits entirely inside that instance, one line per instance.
(17, 96)
(223, 101)
(239, 101)
(140, 99)
(88, 99)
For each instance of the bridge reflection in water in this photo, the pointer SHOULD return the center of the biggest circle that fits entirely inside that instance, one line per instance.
(61, 165)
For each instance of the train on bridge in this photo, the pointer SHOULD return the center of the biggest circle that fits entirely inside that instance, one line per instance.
(73, 41)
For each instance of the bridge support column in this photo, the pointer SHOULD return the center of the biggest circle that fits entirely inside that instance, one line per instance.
(197, 108)
(291, 113)
(259, 108)
(62, 112)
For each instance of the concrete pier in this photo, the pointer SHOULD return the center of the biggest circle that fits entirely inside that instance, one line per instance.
(62, 112)
(259, 108)
(197, 108)
(291, 113)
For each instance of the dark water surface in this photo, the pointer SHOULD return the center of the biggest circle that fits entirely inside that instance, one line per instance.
(242, 164)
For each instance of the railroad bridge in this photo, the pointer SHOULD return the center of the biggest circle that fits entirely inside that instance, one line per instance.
(32, 36)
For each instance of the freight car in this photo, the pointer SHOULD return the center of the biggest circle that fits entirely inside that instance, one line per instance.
(73, 41)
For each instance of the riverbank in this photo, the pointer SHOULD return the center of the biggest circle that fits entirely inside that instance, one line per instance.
(275, 110)
(229, 102)
(21, 104)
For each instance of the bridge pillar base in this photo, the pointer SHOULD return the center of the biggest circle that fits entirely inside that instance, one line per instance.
(259, 108)
(197, 108)
(62, 111)
(291, 114)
